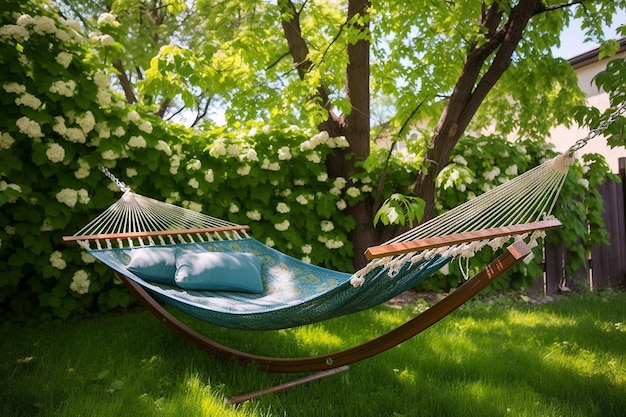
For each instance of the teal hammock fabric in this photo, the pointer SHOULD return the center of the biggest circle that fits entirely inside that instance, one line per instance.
(295, 293)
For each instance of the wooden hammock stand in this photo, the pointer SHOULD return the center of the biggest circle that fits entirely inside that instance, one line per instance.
(332, 363)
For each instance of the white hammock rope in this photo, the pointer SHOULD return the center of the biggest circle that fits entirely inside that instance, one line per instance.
(527, 198)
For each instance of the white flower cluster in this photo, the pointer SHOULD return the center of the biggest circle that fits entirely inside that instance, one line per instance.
(28, 100)
(6, 140)
(137, 142)
(14, 88)
(327, 226)
(80, 282)
(282, 208)
(64, 88)
(254, 215)
(70, 197)
(163, 147)
(323, 138)
(64, 59)
(71, 134)
(108, 19)
(284, 154)
(16, 32)
(29, 127)
(55, 152)
(83, 169)
(57, 261)
(330, 243)
(270, 166)
(282, 226)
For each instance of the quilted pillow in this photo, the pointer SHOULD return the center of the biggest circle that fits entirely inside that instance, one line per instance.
(218, 271)
(153, 264)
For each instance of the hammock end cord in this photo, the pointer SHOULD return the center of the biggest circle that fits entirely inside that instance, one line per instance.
(581, 143)
(121, 185)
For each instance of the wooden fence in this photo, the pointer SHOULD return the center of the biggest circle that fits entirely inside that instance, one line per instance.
(606, 264)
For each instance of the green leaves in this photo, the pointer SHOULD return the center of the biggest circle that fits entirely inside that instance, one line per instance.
(400, 209)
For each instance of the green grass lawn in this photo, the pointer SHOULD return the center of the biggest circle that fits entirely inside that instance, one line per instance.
(498, 356)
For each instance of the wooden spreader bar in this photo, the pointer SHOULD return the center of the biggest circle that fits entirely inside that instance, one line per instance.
(135, 235)
(457, 238)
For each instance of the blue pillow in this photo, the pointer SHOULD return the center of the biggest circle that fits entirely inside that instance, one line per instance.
(218, 271)
(153, 264)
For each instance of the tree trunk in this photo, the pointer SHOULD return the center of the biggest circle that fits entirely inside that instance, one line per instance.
(471, 90)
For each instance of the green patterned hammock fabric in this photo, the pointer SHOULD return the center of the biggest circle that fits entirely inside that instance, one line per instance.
(295, 293)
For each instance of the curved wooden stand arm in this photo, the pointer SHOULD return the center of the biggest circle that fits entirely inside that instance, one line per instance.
(510, 257)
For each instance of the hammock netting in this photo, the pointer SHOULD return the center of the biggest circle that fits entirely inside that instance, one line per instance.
(295, 292)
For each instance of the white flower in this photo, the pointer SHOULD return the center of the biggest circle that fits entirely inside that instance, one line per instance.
(339, 182)
(491, 175)
(392, 215)
(55, 152)
(322, 177)
(103, 97)
(131, 172)
(18, 33)
(584, 182)
(254, 215)
(269, 242)
(353, 192)
(313, 157)
(327, 226)
(233, 208)
(57, 261)
(109, 155)
(218, 149)
(86, 122)
(306, 259)
(341, 205)
(108, 19)
(251, 155)
(132, 116)
(460, 160)
(80, 282)
(511, 170)
(145, 126)
(194, 164)
(29, 127)
(341, 142)
(284, 154)
(14, 88)
(195, 207)
(233, 149)
(306, 249)
(102, 79)
(282, 208)
(59, 125)
(244, 170)
(64, 59)
(137, 142)
(74, 135)
(163, 147)
(83, 196)
(193, 183)
(87, 257)
(6, 141)
(209, 176)
(44, 25)
(63, 88)
(106, 40)
(302, 199)
(282, 226)
(333, 244)
(119, 132)
(28, 100)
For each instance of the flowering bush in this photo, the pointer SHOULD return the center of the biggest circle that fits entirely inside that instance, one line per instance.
(62, 118)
